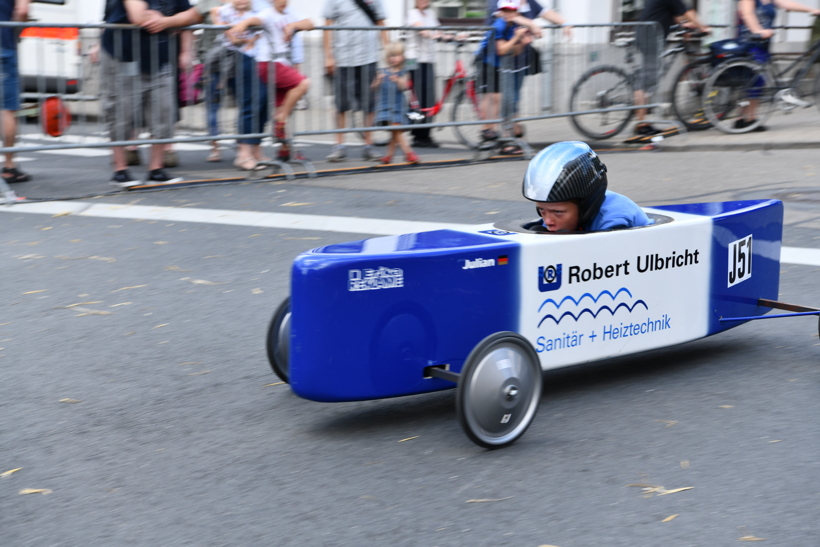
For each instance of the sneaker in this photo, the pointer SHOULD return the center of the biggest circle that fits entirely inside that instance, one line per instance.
(132, 157)
(369, 155)
(302, 104)
(159, 176)
(123, 179)
(644, 129)
(337, 154)
(743, 124)
(170, 159)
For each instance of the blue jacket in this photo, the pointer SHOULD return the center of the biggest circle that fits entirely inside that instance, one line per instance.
(618, 211)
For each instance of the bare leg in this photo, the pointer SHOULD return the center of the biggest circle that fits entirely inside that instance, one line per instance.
(368, 139)
(157, 151)
(640, 99)
(119, 158)
(9, 134)
(391, 146)
(402, 142)
(291, 97)
(340, 124)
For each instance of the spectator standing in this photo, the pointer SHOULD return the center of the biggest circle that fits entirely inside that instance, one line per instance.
(390, 85)
(503, 45)
(756, 17)
(351, 57)
(234, 64)
(666, 13)
(140, 84)
(11, 10)
(280, 25)
(421, 58)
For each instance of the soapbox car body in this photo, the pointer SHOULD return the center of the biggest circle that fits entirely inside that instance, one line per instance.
(487, 309)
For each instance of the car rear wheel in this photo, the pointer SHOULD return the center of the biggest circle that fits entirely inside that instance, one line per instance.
(278, 341)
(499, 390)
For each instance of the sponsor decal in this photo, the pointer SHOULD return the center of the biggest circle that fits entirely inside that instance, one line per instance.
(478, 263)
(371, 280)
(740, 260)
(642, 264)
(497, 232)
(549, 278)
(570, 307)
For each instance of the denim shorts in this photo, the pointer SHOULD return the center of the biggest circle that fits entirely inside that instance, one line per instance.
(10, 89)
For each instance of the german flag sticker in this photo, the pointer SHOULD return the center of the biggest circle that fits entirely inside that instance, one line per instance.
(503, 260)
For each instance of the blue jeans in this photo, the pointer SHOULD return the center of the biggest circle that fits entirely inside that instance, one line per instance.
(251, 95)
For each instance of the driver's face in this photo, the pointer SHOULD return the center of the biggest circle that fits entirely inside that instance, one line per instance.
(559, 216)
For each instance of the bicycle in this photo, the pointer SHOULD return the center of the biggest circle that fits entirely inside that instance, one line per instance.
(737, 86)
(608, 90)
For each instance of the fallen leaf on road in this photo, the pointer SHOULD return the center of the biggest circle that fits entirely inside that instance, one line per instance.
(46, 228)
(669, 423)
(676, 490)
(44, 491)
(200, 281)
(684, 464)
(89, 311)
(160, 243)
(26, 257)
(120, 304)
(63, 214)
(190, 363)
(158, 326)
(726, 406)
(71, 401)
(256, 291)
(126, 288)
(279, 384)
(409, 438)
(670, 517)
(489, 500)
(32, 292)
(130, 333)
(78, 304)
(176, 269)
(198, 373)
(94, 257)
(295, 204)
(5, 474)
(777, 441)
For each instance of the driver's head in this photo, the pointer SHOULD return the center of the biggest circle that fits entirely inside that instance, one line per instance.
(568, 183)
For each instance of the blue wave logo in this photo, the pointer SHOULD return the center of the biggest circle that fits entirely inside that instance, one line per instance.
(576, 315)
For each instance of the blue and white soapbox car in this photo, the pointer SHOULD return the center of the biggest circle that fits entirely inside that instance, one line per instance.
(487, 309)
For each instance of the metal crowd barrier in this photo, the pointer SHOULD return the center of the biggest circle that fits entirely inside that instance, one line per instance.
(219, 103)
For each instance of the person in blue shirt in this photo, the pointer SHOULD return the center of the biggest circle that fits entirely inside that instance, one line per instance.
(567, 181)
(756, 17)
(500, 65)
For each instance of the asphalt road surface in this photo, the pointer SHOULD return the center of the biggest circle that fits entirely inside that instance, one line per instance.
(136, 390)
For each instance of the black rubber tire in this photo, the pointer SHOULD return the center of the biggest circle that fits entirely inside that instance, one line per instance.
(499, 390)
(278, 341)
(687, 94)
(464, 111)
(727, 91)
(587, 94)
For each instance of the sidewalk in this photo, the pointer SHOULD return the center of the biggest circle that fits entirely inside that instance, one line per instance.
(85, 172)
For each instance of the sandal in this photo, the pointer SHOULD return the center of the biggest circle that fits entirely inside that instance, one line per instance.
(12, 175)
(245, 164)
(386, 160)
(489, 135)
(510, 150)
(215, 155)
(412, 157)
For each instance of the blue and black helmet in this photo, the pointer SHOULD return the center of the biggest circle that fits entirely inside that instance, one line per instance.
(568, 171)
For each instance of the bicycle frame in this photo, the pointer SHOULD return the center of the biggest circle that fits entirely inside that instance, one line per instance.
(459, 75)
(807, 59)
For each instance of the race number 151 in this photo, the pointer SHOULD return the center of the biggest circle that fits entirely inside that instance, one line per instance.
(740, 260)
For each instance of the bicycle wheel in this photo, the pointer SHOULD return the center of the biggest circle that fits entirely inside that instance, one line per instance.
(687, 95)
(738, 91)
(602, 87)
(465, 110)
